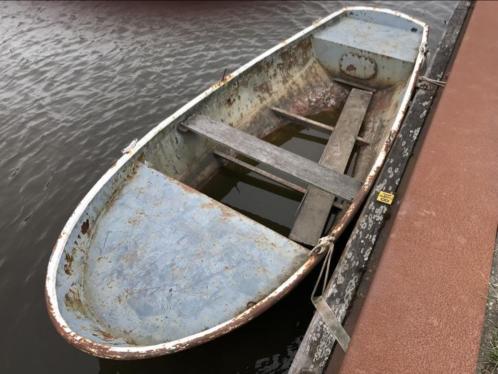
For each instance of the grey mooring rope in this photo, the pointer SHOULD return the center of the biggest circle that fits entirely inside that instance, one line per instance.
(326, 244)
(423, 79)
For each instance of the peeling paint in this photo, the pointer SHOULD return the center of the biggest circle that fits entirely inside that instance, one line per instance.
(226, 91)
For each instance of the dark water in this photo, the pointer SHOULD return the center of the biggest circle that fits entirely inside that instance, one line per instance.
(78, 82)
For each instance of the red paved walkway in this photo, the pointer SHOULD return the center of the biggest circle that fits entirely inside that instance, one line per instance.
(425, 306)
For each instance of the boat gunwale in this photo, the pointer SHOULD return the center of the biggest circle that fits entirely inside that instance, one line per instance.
(138, 352)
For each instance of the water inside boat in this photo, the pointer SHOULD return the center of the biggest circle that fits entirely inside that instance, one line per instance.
(262, 199)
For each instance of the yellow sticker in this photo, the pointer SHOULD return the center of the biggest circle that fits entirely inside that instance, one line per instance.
(385, 197)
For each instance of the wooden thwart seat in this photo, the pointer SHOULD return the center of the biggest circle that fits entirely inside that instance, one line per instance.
(303, 169)
(310, 123)
(268, 175)
(261, 172)
(316, 205)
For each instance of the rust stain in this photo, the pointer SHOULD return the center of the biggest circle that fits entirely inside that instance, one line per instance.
(264, 88)
(186, 188)
(131, 257)
(222, 81)
(103, 334)
(209, 205)
(225, 212)
(68, 264)
(350, 68)
(230, 101)
(321, 98)
(72, 300)
(85, 227)
(137, 218)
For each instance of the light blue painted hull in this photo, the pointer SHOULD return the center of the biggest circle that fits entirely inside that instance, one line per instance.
(147, 266)
(174, 262)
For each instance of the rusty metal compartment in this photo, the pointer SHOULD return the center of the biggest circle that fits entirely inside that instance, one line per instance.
(147, 265)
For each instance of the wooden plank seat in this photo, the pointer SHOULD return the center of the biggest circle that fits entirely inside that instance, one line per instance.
(215, 249)
(311, 123)
(268, 175)
(310, 172)
(316, 205)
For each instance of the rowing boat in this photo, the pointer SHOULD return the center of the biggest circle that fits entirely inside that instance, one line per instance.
(149, 265)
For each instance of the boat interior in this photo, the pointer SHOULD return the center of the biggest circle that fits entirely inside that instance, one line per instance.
(161, 253)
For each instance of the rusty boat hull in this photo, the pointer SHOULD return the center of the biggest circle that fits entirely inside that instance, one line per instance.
(148, 265)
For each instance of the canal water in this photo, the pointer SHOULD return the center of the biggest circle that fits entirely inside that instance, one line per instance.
(78, 82)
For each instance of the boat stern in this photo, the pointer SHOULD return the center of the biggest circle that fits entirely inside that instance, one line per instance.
(372, 47)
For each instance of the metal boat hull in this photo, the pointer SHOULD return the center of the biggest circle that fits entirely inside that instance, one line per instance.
(111, 289)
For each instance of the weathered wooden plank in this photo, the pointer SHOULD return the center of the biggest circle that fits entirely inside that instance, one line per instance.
(303, 169)
(317, 345)
(316, 205)
(262, 172)
(300, 120)
(271, 176)
(354, 84)
(295, 118)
